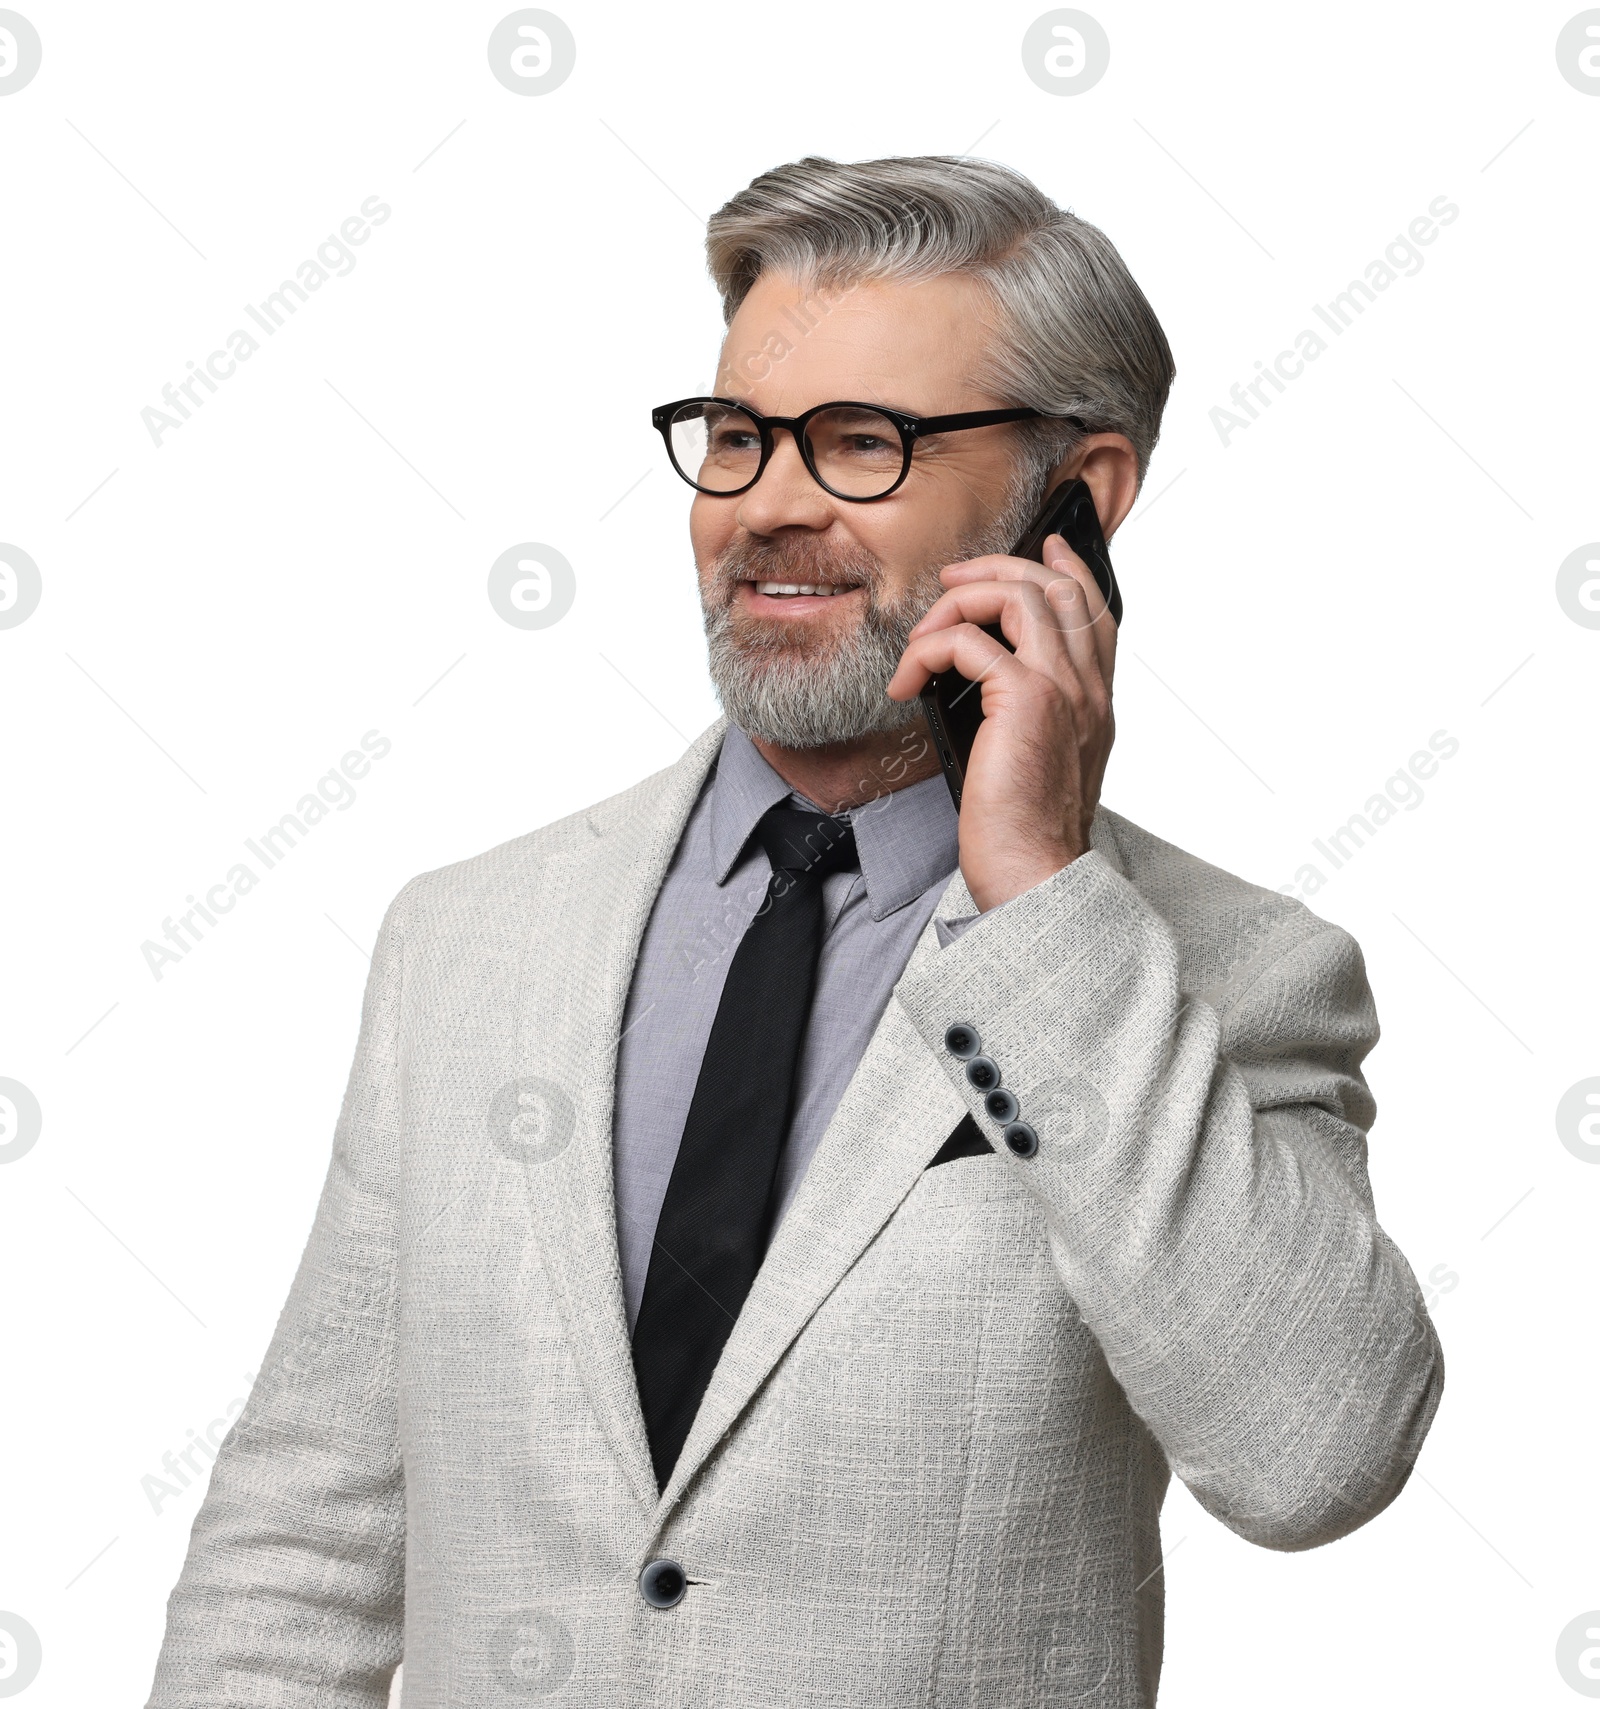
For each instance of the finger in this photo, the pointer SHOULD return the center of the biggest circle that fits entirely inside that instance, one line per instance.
(995, 567)
(1081, 639)
(992, 598)
(1048, 626)
(965, 648)
(1024, 616)
(998, 570)
(1075, 597)
(1061, 561)
(991, 567)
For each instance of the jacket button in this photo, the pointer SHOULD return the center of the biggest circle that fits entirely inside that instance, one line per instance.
(983, 1073)
(962, 1040)
(1002, 1105)
(1021, 1138)
(663, 1583)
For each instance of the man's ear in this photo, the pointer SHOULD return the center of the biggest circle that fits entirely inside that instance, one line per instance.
(1109, 466)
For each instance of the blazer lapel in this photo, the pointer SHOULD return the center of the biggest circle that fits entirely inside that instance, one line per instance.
(588, 919)
(583, 940)
(897, 1111)
(894, 1115)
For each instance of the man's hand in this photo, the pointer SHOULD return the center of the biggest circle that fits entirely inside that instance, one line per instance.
(1034, 776)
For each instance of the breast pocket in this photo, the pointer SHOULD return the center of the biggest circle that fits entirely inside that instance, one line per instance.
(891, 1355)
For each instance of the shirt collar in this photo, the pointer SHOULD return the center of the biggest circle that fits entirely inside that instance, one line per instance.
(906, 838)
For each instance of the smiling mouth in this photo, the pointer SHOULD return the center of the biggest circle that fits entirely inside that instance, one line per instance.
(790, 590)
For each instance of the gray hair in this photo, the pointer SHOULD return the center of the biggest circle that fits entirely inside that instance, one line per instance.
(1076, 335)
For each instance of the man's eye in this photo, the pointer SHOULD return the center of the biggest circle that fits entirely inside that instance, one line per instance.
(733, 439)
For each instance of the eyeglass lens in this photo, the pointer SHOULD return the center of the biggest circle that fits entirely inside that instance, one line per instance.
(855, 451)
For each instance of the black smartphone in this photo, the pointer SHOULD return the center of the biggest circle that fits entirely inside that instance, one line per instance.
(953, 705)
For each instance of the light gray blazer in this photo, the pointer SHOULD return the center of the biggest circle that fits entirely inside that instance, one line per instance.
(929, 1466)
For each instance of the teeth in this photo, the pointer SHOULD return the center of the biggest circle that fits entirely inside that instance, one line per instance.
(781, 589)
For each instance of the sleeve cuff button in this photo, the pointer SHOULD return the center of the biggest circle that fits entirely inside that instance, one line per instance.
(1002, 1105)
(983, 1074)
(1022, 1139)
(962, 1040)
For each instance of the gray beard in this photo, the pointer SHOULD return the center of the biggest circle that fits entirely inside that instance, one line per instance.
(796, 693)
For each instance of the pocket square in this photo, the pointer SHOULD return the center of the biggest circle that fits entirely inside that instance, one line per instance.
(966, 1141)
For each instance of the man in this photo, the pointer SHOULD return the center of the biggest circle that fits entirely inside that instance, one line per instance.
(780, 1236)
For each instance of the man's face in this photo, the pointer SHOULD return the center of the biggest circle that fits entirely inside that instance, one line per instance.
(808, 668)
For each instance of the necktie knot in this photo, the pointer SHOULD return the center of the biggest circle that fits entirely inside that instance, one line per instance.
(802, 842)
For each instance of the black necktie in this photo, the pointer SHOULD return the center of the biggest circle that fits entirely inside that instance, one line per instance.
(717, 1215)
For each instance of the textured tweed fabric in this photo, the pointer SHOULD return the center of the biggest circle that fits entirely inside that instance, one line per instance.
(929, 1467)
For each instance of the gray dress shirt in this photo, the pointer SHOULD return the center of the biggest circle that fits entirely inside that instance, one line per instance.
(871, 922)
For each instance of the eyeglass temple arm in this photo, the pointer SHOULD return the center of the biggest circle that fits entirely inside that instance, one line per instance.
(918, 426)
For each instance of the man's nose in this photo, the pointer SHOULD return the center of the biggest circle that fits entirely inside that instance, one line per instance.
(786, 496)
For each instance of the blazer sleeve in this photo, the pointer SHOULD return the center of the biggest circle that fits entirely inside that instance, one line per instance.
(1201, 1166)
(293, 1588)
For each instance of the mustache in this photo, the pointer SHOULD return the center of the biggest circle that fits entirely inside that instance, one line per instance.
(801, 559)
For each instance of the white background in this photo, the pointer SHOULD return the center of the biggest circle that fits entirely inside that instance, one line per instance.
(1373, 560)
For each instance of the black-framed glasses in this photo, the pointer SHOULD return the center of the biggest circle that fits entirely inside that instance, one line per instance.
(858, 452)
